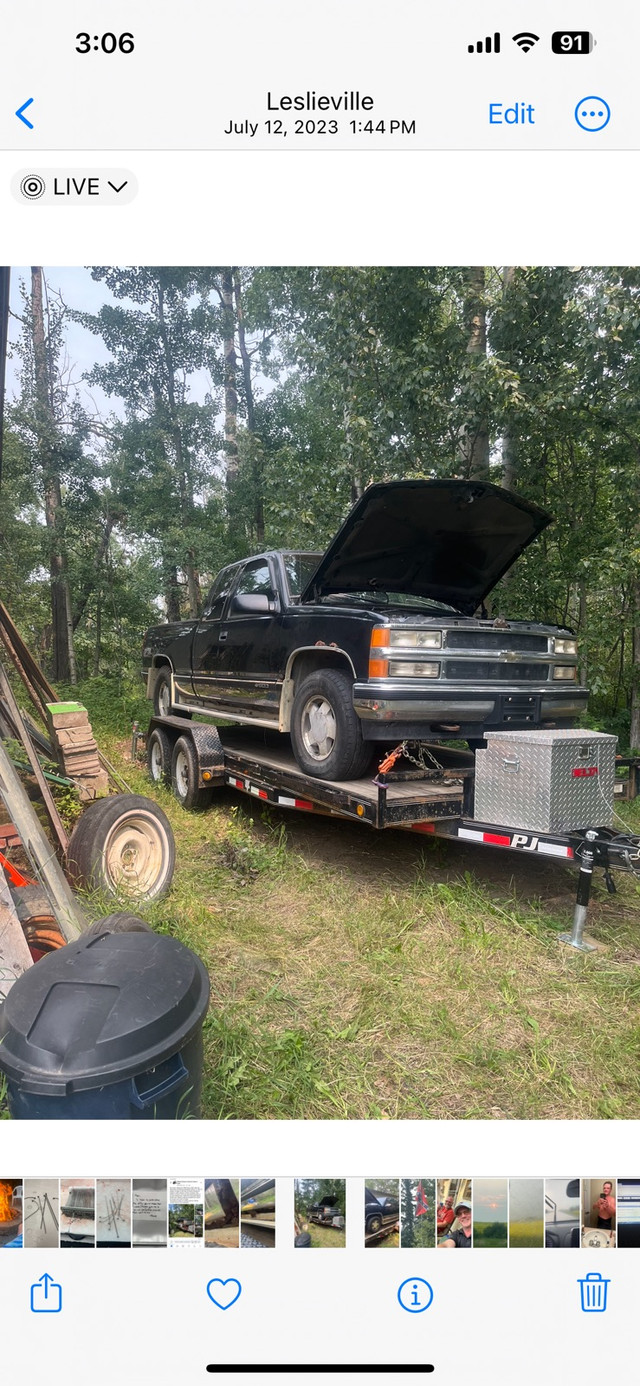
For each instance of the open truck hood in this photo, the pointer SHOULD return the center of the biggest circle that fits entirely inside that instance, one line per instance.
(448, 540)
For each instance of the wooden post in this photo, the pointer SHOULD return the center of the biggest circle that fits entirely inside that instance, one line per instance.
(40, 852)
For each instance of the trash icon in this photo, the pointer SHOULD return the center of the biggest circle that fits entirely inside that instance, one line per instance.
(593, 1293)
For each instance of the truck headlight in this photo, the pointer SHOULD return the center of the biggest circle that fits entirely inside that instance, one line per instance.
(415, 639)
(569, 647)
(565, 671)
(405, 668)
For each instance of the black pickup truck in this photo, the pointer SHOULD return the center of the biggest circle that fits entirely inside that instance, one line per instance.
(376, 640)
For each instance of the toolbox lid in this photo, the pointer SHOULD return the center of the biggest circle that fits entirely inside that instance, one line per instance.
(448, 540)
(549, 737)
(101, 1010)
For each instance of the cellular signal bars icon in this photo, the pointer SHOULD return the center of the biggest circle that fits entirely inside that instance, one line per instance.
(488, 45)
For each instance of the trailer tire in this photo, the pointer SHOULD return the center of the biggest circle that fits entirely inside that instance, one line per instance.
(119, 923)
(123, 845)
(163, 705)
(159, 753)
(185, 775)
(326, 732)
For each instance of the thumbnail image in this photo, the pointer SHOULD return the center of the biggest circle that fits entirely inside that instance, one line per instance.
(149, 1212)
(257, 1213)
(454, 1213)
(526, 1212)
(113, 1212)
(320, 1212)
(628, 1212)
(41, 1203)
(10, 1212)
(418, 1212)
(490, 1212)
(77, 1212)
(382, 1212)
(186, 1210)
(561, 1212)
(599, 1213)
(221, 1212)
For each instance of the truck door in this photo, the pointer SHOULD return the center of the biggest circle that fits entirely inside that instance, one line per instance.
(207, 648)
(250, 640)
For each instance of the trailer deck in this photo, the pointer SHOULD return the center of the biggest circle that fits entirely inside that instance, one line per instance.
(435, 796)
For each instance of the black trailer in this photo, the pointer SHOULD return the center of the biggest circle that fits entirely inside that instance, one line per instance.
(422, 788)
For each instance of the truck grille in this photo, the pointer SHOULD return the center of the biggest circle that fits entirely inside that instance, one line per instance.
(496, 640)
(492, 671)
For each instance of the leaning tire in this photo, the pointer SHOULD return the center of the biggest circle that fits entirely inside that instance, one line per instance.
(326, 733)
(185, 775)
(163, 705)
(120, 923)
(124, 846)
(159, 752)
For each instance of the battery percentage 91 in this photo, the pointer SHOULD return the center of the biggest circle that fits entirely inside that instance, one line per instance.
(572, 41)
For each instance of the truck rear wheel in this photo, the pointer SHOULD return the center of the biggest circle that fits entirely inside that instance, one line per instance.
(162, 704)
(326, 733)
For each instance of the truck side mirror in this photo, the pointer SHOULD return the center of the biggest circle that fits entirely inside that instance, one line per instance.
(250, 604)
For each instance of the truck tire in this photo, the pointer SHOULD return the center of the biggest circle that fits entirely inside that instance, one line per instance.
(159, 752)
(374, 1224)
(123, 845)
(326, 733)
(162, 704)
(185, 776)
(119, 923)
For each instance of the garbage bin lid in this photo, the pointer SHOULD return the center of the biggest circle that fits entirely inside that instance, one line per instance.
(101, 1010)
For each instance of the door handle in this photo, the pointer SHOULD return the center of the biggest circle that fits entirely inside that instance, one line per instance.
(222, 636)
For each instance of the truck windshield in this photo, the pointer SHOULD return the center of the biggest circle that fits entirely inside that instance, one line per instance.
(299, 568)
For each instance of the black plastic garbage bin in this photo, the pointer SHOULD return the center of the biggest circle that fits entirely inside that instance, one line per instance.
(107, 1028)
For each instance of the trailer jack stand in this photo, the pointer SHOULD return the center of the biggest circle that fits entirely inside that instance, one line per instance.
(575, 938)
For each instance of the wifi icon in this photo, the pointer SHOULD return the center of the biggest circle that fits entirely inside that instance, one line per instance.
(526, 41)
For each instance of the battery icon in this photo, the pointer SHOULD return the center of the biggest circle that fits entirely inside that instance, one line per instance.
(572, 41)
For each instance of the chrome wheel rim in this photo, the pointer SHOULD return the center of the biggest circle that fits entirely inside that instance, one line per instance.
(182, 775)
(318, 727)
(164, 700)
(155, 761)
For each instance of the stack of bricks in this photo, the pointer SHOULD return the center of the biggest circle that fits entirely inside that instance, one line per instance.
(76, 748)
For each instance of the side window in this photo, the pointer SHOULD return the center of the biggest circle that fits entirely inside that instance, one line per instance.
(255, 578)
(219, 593)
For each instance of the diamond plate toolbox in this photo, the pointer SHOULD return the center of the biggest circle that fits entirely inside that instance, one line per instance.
(546, 781)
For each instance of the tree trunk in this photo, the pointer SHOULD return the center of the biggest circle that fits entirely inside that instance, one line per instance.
(96, 656)
(183, 464)
(230, 390)
(509, 462)
(475, 443)
(63, 661)
(171, 592)
(256, 452)
(408, 1233)
(634, 734)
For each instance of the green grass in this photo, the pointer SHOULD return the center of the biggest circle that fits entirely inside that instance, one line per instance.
(357, 974)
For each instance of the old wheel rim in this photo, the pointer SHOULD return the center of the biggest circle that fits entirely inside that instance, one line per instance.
(136, 856)
(318, 727)
(164, 700)
(182, 775)
(156, 761)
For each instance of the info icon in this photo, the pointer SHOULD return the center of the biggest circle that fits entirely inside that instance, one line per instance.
(415, 1295)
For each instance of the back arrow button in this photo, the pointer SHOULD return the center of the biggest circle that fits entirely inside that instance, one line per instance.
(21, 113)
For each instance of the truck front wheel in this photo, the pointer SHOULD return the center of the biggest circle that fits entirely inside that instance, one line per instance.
(326, 733)
(162, 697)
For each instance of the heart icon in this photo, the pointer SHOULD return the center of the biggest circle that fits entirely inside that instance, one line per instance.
(224, 1293)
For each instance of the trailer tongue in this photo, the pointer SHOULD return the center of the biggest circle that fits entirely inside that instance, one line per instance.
(551, 792)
